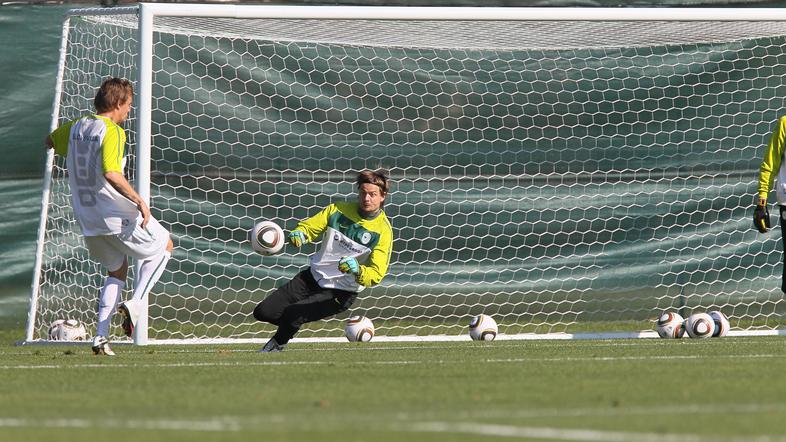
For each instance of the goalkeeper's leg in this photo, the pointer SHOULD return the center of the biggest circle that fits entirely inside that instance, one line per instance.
(297, 302)
(321, 305)
(297, 289)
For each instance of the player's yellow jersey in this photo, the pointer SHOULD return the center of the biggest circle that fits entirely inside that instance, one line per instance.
(94, 145)
(771, 164)
(345, 233)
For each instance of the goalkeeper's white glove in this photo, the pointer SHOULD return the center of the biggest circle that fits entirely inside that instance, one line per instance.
(349, 264)
(297, 238)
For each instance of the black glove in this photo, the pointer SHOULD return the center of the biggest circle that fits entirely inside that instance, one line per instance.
(761, 218)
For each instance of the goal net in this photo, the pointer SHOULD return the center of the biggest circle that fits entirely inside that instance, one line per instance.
(561, 176)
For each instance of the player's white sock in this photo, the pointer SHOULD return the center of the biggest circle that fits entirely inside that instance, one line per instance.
(107, 304)
(147, 274)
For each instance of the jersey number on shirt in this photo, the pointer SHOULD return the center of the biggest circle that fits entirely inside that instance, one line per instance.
(85, 176)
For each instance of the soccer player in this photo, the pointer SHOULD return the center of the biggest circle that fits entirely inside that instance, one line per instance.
(115, 221)
(355, 252)
(773, 164)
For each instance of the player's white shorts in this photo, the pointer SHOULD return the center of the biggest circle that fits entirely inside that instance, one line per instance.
(139, 243)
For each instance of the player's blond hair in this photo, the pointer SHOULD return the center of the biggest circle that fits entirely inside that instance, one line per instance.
(112, 93)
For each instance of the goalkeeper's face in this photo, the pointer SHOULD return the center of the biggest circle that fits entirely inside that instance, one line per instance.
(370, 198)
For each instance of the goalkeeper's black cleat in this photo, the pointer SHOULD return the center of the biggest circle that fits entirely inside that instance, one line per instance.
(761, 218)
(272, 347)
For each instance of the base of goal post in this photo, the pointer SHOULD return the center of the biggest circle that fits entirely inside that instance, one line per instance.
(436, 338)
(457, 338)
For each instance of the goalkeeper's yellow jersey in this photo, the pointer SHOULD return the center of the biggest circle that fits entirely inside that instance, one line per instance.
(345, 233)
(771, 164)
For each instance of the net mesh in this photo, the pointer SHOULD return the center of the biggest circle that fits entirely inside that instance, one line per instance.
(558, 176)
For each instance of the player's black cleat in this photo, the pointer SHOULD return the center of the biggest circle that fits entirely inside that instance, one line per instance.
(129, 310)
(272, 347)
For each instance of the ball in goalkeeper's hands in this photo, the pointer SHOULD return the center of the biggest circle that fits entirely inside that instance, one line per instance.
(297, 238)
(348, 264)
(761, 218)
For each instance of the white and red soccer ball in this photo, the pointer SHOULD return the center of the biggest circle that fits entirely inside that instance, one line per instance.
(67, 330)
(670, 325)
(700, 326)
(721, 323)
(359, 329)
(483, 328)
(267, 238)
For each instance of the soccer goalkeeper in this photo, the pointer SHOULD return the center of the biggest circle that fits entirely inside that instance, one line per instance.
(355, 252)
(772, 164)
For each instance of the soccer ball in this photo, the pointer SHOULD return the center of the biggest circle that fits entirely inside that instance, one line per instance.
(266, 238)
(722, 325)
(671, 325)
(700, 325)
(483, 328)
(67, 330)
(359, 329)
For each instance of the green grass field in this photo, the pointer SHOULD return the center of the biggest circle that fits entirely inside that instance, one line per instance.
(728, 389)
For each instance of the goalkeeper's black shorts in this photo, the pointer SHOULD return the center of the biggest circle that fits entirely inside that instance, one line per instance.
(299, 301)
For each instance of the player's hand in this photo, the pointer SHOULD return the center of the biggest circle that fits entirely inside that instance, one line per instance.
(761, 218)
(348, 264)
(145, 211)
(297, 238)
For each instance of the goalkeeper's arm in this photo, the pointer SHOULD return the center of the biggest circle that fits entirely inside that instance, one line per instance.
(376, 267)
(314, 226)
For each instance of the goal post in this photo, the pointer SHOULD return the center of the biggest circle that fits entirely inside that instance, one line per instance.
(570, 172)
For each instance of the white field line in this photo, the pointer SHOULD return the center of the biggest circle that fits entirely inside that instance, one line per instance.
(201, 425)
(380, 344)
(430, 346)
(480, 346)
(574, 434)
(638, 335)
(692, 409)
(237, 424)
(392, 362)
(645, 334)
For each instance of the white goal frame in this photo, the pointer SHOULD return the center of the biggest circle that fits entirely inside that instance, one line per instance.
(148, 12)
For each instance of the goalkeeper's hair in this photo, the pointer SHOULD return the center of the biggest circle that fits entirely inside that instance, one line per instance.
(378, 178)
(113, 92)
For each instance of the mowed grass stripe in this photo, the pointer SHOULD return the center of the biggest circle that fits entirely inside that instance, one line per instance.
(469, 426)
(245, 363)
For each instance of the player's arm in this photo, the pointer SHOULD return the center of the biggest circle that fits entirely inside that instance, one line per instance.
(121, 184)
(112, 150)
(58, 139)
(771, 162)
(376, 267)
